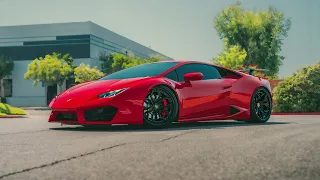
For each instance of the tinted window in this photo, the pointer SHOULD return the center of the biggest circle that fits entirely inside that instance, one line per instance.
(225, 72)
(78, 46)
(32, 52)
(145, 70)
(172, 75)
(209, 72)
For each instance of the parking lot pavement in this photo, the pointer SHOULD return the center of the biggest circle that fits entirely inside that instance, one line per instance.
(287, 147)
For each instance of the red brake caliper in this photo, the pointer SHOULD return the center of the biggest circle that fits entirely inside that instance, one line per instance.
(164, 103)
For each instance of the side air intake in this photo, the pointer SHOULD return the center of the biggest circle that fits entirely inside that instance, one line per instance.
(233, 110)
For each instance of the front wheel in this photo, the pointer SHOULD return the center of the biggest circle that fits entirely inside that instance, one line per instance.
(160, 107)
(261, 106)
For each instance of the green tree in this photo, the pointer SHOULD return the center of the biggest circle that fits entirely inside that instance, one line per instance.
(232, 57)
(157, 57)
(84, 73)
(114, 62)
(6, 67)
(51, 70)
(67, 58)
(106, 62)
(135, 61)
(121, 62)
(260, 34)
(300, 92)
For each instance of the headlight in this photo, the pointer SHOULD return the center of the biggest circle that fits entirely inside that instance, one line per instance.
(112, 93)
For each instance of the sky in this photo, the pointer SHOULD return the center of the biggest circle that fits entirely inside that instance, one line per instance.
(180, 29)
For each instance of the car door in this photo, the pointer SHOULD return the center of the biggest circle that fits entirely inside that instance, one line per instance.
(201, 98)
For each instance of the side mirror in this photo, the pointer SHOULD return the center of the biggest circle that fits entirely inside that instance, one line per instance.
(196, 76)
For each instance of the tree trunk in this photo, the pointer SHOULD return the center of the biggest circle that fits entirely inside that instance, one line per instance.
(1, 88)
(61, 87)
(58, 89)
(46, 89)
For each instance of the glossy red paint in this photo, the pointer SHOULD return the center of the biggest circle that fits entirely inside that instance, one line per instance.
(198, 99)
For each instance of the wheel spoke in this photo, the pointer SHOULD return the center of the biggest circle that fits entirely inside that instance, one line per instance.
(148, 101)
(153, 98)
(258, 96)
(262, 113)
(265, 99)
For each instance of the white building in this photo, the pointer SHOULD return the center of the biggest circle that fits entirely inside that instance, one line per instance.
(84, 41)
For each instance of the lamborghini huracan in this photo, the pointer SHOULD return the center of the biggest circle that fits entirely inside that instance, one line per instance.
(157, 94)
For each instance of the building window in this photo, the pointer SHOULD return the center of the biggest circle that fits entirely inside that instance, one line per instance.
(81, 50)
(78, 46)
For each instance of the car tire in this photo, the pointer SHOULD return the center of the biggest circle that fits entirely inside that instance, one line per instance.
(160, 107)
(260, 106)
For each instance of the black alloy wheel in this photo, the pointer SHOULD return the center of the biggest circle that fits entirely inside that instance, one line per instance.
(261, 106)
(160, 107)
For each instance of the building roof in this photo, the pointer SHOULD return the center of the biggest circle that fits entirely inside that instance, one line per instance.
(14, 35)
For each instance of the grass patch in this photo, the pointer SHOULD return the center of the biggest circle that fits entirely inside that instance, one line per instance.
(6, 109)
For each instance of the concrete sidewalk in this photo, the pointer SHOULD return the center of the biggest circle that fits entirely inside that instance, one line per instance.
(31, 113)
(36, 108)
(14, 116)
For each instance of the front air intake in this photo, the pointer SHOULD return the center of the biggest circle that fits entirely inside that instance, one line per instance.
(64, 116)
(100, 114)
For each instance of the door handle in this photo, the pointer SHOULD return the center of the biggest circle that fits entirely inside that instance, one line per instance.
(226, 87)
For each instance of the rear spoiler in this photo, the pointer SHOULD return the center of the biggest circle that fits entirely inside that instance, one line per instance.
(251, 71)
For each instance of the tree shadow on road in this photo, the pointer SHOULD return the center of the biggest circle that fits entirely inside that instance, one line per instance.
(173, 127)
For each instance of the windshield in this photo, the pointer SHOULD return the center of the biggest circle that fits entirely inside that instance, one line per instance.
(144, 70)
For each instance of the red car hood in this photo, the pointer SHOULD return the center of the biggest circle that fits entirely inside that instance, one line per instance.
(85, 92)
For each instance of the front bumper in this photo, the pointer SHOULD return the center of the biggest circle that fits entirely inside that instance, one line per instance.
(126, 112)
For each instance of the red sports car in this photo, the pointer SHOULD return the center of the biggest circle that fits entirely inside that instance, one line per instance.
(157, 94)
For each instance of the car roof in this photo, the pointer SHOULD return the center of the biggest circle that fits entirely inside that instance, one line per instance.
(181, 62)
(177, 60)
(185, 61)
(193, 61)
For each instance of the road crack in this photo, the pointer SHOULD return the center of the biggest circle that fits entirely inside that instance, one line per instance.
(89, 153)
(182, 134)
(60, 161)
(25, 132)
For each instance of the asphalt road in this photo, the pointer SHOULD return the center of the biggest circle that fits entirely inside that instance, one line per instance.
(287, 147)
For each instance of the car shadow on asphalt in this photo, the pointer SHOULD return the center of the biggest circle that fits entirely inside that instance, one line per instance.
(173, 127)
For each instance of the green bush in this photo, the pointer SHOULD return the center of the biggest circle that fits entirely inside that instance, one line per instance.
(300, 92)
(10, 110)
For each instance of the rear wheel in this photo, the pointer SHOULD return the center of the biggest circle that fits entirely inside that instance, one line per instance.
(160, 108)
(261, 106)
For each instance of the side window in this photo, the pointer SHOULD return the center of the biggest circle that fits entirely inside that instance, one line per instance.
(225, 72)
(172, 75)
(209, 72)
